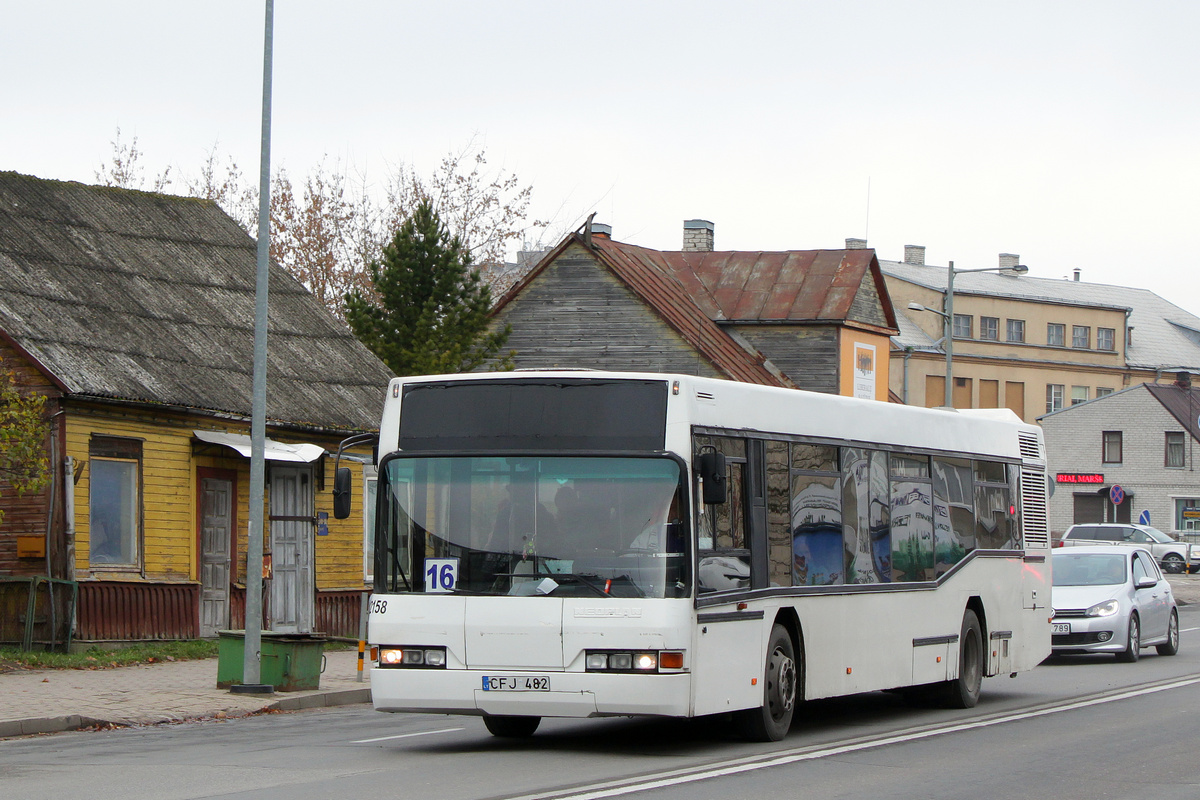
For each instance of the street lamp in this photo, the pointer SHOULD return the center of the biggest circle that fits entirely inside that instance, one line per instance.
(948, 315)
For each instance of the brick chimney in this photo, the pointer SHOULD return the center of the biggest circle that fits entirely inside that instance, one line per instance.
(697, 236)
(856, 244)
(914, 254)
(1009, 260)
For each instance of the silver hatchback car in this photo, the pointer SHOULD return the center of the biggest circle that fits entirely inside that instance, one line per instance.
(1111, 599)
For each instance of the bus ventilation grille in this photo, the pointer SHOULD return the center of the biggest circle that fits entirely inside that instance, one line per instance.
(1033, 508)
(1029, 445)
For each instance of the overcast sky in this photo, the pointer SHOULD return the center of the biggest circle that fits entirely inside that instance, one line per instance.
(1064, 132)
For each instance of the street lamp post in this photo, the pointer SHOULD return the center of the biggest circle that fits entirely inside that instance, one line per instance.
(948, 318)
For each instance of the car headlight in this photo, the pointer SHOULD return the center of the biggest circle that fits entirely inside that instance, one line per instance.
(1105, 609)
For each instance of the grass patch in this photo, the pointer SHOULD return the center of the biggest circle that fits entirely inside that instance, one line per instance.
(97, 658)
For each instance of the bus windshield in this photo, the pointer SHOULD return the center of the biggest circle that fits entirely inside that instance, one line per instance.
(562, 526)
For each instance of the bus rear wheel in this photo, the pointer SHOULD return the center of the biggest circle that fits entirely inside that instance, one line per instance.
(511, 727)
(963, 691)
(782, 686)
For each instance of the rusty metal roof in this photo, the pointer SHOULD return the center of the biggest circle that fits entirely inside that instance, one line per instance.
(150, 298)
(1183, 403)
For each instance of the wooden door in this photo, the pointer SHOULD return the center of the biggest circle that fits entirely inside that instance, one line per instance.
(293, 533)
(216, 537)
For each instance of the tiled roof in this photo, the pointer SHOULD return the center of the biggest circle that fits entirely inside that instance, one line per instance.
(150, 298)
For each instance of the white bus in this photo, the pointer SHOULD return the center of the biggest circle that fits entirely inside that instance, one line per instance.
(587, 544)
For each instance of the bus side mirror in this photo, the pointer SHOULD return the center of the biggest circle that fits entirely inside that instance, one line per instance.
(342, 492)
(712, 476)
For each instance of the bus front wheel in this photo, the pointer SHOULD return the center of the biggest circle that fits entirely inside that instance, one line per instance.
(782, 682)
(511, 727)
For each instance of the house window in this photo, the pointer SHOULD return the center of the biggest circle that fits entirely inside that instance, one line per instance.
(1111, 446)
(1016, 330)
(962, 326)
(1174, 453)
(1081, 336)
(989, 328)
(114, 502)
(1054, 397)
(1102, 391)
(1079, 394)
(1106, 339)
(1056, 334)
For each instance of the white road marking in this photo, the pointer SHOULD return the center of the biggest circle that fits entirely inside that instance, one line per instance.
(737, 766)
(405, 735)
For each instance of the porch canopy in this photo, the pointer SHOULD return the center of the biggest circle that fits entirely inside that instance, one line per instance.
(272, 450)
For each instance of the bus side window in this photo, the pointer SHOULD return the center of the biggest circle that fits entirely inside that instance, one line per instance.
(722, 528)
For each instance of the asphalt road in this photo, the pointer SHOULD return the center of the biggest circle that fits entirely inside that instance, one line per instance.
(1073, 728)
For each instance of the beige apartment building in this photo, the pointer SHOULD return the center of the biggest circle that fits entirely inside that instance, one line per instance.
(1034, 345)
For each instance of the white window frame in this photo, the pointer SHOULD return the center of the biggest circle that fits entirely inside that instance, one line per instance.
(1079, 394)
(1015, 330)
(1055, 396)
(1106, 339)
(963, 326)
(1081, 337)
(1056, 334)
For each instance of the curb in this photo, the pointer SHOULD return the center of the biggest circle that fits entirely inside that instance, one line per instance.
(74, 722)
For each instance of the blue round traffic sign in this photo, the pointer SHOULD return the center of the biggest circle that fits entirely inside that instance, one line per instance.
(1117, 495)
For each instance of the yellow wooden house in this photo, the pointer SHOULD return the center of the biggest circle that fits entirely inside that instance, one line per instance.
(133, 313)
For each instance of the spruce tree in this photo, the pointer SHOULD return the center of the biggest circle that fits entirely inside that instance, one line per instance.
(429, 310)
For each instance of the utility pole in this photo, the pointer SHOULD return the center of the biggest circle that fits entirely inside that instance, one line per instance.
(251, 672)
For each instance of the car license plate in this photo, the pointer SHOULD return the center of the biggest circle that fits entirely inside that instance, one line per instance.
(1061, 627)
(516, 683)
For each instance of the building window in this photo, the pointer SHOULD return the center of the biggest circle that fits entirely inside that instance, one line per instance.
(1174, 454)
(1187, 513)
(1111, 445)
(1102, 391)
(1056, 334)
(1079, 394)
(114, 502)
(1016, 330)
(1054, 397)
(1106, 339)
(1081, 336)
(962, 326)
(989, 328)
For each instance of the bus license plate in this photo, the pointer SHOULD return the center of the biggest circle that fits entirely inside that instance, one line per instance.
(516, 683)
(1061, 627)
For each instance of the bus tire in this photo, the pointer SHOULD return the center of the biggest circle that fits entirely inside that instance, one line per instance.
(963, 691)
(511, 727)
(782, 686)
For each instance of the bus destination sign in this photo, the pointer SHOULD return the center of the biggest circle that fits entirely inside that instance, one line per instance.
(1079, 477)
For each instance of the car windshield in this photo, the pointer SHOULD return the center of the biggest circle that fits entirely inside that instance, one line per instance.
(532, 525)
(1158, 536)
(1089, 569)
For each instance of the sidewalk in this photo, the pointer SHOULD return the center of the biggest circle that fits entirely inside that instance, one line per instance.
(46, 701)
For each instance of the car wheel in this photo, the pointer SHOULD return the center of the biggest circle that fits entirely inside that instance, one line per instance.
(1133, 649)
(1171, 646)
(963, 691)
(782, 686)
(1174, 565)
(511, 727)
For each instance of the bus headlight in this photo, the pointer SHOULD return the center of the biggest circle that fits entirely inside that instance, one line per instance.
(630, 661)
(429, 657)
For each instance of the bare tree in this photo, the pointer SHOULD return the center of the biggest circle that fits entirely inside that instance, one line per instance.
(125, 170)
(326, 229)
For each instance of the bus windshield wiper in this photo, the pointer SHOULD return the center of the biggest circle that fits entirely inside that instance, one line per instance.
(556, 575)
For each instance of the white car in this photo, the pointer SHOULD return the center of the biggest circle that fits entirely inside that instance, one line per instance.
(1174, 557)
(1111, 599)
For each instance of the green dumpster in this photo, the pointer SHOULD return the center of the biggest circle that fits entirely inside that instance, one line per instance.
(291, 662)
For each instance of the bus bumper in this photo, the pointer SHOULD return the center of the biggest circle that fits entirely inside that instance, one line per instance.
(571, 694)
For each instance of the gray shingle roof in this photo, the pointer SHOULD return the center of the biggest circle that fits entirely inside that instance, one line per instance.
(1164, 334)
(150, 298)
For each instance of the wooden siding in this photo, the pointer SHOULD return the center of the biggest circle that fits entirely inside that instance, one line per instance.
(169, 477)
(337, 612)
(26, 515)
(577, 314)
(808, 354)
(867, 306)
